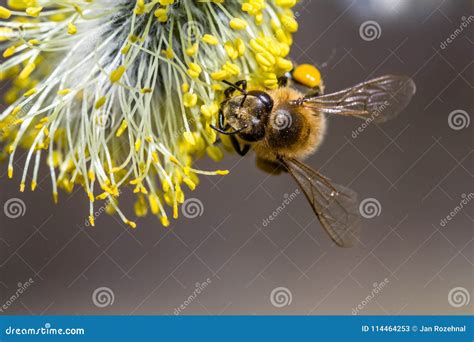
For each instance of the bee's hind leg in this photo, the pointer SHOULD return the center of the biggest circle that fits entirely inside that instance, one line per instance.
(242, 151)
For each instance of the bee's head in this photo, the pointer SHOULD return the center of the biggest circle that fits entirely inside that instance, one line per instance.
(248, 114)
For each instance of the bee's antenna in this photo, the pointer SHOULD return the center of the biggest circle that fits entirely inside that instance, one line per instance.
(230, 84)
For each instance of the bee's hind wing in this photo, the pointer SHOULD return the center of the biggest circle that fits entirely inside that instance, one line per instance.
(335, 206)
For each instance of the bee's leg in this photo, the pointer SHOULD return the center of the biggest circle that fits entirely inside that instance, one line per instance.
(268, 166)
(314, 92)
(242, 151)
(221, 124)
(283, 81)
(242, 83)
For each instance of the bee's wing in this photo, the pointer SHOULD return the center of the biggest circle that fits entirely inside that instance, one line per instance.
(335, 206)
(381, 98)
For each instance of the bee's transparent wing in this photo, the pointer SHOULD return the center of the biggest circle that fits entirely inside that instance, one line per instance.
(380, 98)
(335, 206)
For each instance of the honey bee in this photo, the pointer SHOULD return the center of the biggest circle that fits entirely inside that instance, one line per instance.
(284, 126)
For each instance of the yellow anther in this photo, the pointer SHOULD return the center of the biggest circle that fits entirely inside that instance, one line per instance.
(165, 221)
(231, 68)
(168, 53)
(194, 70)
(71, 29)
(30, 92)
(34, 11)
(161, 15)
(153, 202)
(117, 74)
(64, 92)
(189, 100)
(284, 64)
(189, 137)
(91, 196)
(191, 51)
(286, 3)
(92, 220)
(239, 43)
(231, 51)
(222, 172)
(210, 39)
(138, 144)
(130, 223)
(289, 23)
(27, 70)
(191, 185)
(238, 24)
(219, 75)
(121, 129)
(5, 13)
(9, 52)
(215, 153)
(100, 102)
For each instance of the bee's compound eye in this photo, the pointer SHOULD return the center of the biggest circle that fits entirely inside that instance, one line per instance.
(308, 75)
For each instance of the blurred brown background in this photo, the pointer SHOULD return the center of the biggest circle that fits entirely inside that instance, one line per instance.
(415, 169)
